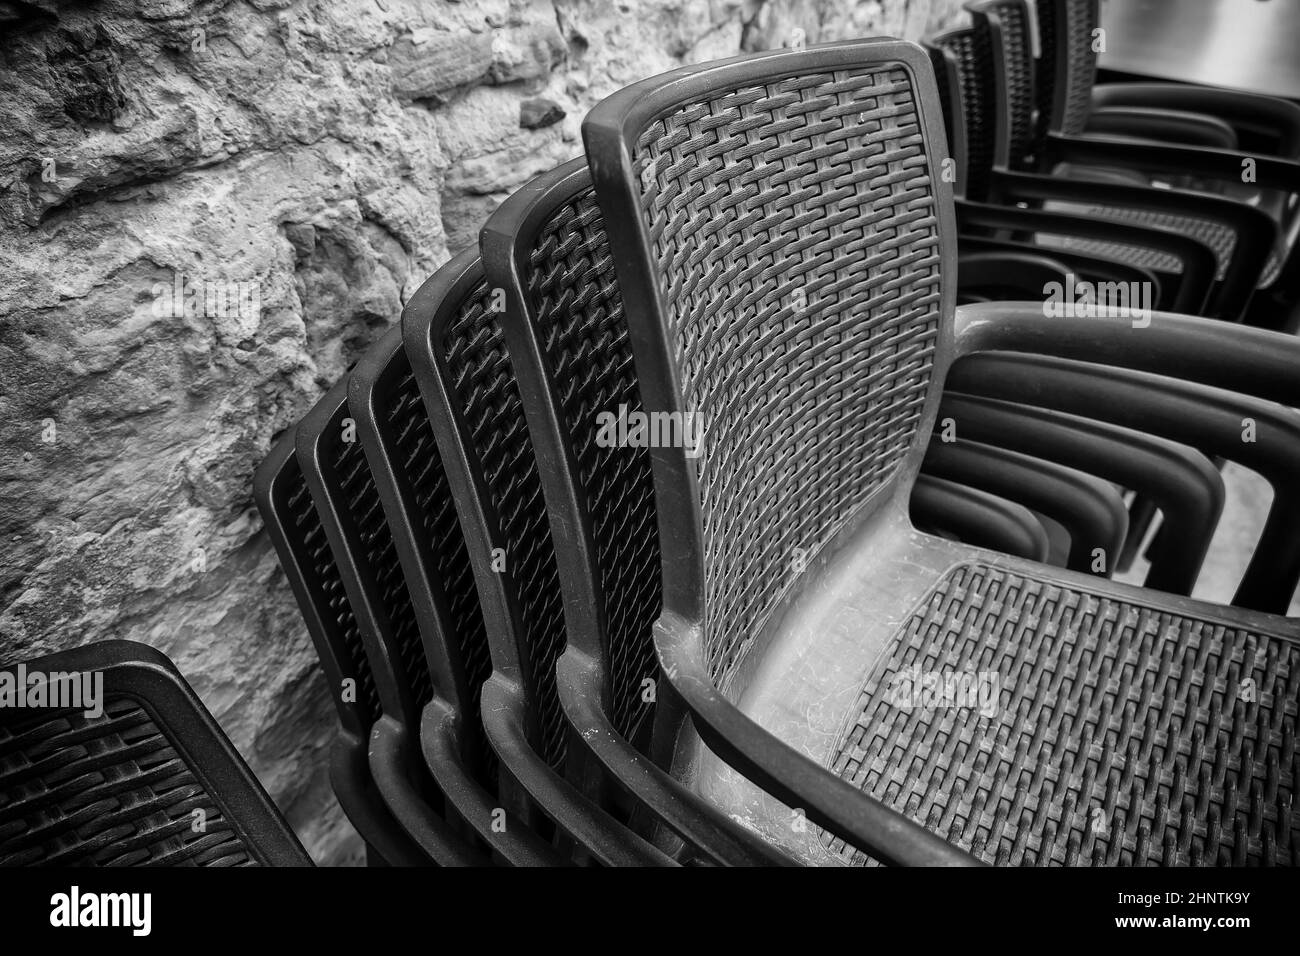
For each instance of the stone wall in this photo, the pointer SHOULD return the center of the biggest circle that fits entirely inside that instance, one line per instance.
(319, 159)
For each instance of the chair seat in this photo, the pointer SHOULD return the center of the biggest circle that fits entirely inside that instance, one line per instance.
(1125, 727)
(1217, 236)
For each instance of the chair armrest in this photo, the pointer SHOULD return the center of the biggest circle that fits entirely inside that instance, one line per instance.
(1183, 482)
(1254, 230)
(1172, 126)
(594, 830)
(1199, 263)
(1239, 109)
(1270, 172)
(791, 777)
(708, 831)
(977, 518)
(1090, 509)
(518, 845)
(1250, 361)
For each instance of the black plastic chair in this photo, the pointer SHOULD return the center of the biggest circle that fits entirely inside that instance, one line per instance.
(132, 772)
(979, 127)
(454, 341)
(991, 134)
(564, 331)
(308, 563)
(394, 431)
(1252, 249)
(1071, 102)
(727, 186)
(1071, 106)
(347, 505)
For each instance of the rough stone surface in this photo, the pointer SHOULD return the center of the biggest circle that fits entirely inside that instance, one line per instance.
(320, 158)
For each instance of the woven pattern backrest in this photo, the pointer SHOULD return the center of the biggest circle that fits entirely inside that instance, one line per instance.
(575, 298)
(405, 429)
(322, 580)
(793, 227)
(104, 791)
(361, 505)
(1068, 63)
(483, 384)
(1018, 60)
(978, 100)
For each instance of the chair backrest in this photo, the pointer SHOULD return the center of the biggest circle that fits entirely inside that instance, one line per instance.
(1067, 63)
(347, 504)
(394, 430)
(299, 539)
(985, 77)
(781, 231)
(120, 765)
(1006, 30)
(455, 345)
(568, 339)
(952, 104)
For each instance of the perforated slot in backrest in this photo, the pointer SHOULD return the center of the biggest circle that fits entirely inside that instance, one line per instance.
(482, 383)
(578, 310)
(794, 231)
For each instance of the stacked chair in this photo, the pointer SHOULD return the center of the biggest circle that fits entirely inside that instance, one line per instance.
(644, 537)
(115, 762)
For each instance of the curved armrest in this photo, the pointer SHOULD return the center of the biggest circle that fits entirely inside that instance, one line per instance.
(1250, 361)
(1173, 126)
(714, 835)
(1183, 483)
(1175, 402)
(517, 844)
(797, 781)
(1090, 509)
(1254, 230)
(977, 518)
(1238, 108)
(593, 829)
(1199, 263)
(1269, 172)
(356, 793)
(390, 766)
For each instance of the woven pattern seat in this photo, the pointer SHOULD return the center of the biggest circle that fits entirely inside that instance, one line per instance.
(1121, 736)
